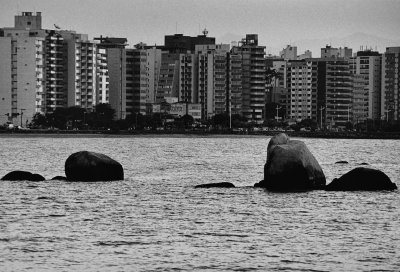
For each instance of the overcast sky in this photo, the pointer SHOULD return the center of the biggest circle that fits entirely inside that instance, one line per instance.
(278, 22)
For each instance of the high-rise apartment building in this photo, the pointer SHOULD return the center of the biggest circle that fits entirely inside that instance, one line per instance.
(81, 77)
(367, 64)
(188, 91)
(213, 75)
(55, 81)
(168, 82)
(360, 98)
(302, 90)
(390, 84)
(235, 92)
(49, 69)
(116, 66)
(22, 88)
(253, 78)
(334, 91)
(103, 91)
(142, 74)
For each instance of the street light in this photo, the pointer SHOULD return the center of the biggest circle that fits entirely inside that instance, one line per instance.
(321, 109)
(230, 110)
(277, 112)
(22, 113)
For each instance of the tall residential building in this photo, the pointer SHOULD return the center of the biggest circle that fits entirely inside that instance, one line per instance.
(253, 78)
(188, 91)
(22, 88)
(289, 53)
(212, 79)
(49, 69)
(55, 80)
(168, 82)
(360, 98)
(368, 65)
(302, 91)
(334, 91)
(116, 66)
(390, 84)
(235, 90)
(81, 70)
(142, 74)
(103, 91)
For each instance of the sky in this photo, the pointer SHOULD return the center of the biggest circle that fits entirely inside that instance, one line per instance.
(305, 23)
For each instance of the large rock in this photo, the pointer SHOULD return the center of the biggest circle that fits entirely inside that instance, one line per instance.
(216, 185)
(290, 166)
(91, 166)
(362, 179)
(22, 175)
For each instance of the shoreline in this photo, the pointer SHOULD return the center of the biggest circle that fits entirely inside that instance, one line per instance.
(177, 133)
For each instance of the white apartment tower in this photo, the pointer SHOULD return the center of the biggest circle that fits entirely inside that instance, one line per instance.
(81, 66)
(212, 84)
(302, 96)
(22, 92)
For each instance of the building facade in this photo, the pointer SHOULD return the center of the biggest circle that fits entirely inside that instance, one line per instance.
(390, 84)
(253, 78)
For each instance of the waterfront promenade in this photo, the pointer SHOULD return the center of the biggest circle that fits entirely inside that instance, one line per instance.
(303, 134)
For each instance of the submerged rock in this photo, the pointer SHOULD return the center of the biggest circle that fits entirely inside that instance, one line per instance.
(362, 179)
(22, 175)
(216, 185)
(59, 178)
(342, 162)
(91, 166)
(290, 166)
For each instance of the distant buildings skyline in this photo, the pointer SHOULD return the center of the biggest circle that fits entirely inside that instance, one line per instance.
(46, 69)
(305, 24)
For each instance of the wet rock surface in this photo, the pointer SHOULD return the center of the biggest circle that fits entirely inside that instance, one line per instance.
(290, 166)
(216, 185)
(362, 179)
(22, 175)
(91, 166)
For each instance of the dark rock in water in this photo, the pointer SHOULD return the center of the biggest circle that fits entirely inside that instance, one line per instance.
(22, 175)
(290, 166)
(364, 163)
(341, 162)
(258, 184)
(91, 166)
(362, 179)
(216, 185)
(59, 178)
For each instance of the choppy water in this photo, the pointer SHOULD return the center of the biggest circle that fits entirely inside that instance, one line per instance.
(155, 220)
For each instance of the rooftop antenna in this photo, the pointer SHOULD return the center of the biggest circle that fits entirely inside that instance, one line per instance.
(205, 32)
(176, 27)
